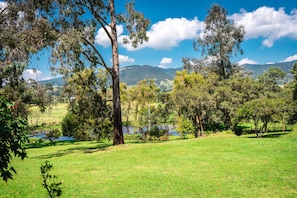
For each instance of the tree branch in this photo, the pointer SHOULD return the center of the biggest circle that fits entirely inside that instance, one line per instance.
(99, 55)
(100, 19)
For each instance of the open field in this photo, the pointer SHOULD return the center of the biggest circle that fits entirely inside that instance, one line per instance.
(214, 166)
(53, 117)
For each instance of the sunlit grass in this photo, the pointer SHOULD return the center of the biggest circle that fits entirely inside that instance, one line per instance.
(220, 165)
(49, 117)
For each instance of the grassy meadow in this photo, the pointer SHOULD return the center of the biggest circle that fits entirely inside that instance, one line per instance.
(48, 118)
(219, 165)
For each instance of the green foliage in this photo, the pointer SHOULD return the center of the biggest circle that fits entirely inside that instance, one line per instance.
(49, 181)
(221, 40)
(69, 124)
(261, 112)
(133, 137)
(54, 134)
(89, 114)
(156, 132)
(12, 138)
(185, 126)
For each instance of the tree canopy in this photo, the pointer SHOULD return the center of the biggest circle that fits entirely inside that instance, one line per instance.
(220, 41)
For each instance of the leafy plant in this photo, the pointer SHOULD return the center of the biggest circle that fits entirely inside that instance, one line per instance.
(52, 187)
(12, 138)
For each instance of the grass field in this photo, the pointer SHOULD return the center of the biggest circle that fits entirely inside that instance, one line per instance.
(48, 118)
(214, 166)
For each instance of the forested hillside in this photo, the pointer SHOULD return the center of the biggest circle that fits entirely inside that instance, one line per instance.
(131, 75)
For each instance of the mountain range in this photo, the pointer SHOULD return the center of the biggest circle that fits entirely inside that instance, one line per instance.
(132, 74)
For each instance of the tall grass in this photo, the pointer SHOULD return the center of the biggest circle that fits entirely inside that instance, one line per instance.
(214, 166)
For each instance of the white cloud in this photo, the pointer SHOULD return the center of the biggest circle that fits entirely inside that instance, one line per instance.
(163, 66)
(246, 61)
(169, 33)
(268, 23)
(124, 59)
(101, 37)
(166, 61)
(32, 74)
(270, 63)
(290, 58)
(3, 5)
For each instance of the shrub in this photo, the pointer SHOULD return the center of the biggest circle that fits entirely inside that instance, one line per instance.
(70, 124)
(49, 181)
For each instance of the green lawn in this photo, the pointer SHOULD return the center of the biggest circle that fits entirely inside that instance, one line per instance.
(214, 166)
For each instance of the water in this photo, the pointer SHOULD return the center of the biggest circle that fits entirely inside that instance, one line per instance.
(136, 130)
(42, 135)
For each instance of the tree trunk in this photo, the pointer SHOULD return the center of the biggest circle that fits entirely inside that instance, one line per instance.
(201, 126)
(118, 137)
(197, 131)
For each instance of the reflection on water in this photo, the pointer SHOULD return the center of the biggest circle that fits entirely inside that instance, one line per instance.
(42, 135)
(130, 130)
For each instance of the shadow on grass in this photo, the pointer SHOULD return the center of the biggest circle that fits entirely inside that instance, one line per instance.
(95, 147)
(41, 144)
(270, 135)
(91, 148)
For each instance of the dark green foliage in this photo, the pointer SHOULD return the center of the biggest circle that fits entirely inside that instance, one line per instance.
(133, 137)
(294, 72)
(12, 138)
(70, 124)
(89, 114)
(54, 134)
(156, 132)
(185, 126)
(49, 181)
(221, 41)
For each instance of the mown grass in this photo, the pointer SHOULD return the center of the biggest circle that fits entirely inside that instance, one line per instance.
(213, 166)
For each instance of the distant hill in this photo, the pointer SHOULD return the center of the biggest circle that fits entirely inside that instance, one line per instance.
(131, 75)
(258, 69)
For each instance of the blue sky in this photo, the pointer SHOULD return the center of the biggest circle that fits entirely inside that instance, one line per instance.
(270, 25)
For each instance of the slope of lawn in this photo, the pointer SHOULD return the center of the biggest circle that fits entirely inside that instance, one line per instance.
(214, 166)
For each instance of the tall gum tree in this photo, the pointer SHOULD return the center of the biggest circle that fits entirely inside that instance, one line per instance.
(77, 22)
(220, 41)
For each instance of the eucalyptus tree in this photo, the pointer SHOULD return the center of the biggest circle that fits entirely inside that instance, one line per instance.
(220, 41)
(192, 98)
(293, 118)
(22, 33)
(261, 112)
(77, 22)
(294, 72)
(145, 93)
(270, 82)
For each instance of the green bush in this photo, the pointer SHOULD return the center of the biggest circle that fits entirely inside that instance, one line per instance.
(70, 124)
(133, 137)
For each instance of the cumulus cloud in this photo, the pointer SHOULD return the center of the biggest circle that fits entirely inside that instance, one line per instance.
(268, 23)
(101, 37)
(246, 61)
(290, 58)
(170, 32)
(124, 59)
(166, 61)
(32, 74)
